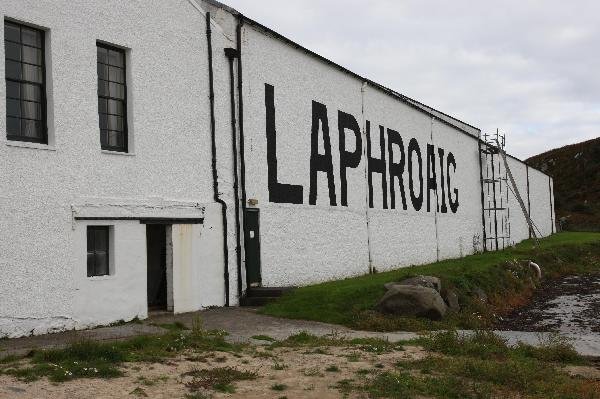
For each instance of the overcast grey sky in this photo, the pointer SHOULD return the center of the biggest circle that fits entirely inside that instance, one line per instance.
(530, 68)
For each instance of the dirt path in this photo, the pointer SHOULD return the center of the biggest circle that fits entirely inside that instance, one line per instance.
(282, 372)
(240, 323)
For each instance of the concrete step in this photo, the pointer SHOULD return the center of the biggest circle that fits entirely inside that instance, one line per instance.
(258, 292)
(259, 296)
(256, 301)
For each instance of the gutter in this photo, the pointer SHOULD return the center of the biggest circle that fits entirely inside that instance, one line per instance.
(214, 158)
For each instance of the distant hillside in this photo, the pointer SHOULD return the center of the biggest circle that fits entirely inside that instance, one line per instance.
(576, 172)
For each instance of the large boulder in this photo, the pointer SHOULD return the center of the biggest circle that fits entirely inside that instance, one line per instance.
(413, 300)
(423, 281)
(451, 299)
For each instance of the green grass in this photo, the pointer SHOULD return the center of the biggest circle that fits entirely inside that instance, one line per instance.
(500, 274)
(488, 346)
(480, 365)
(306, 340)
(403, 385)
(91, 359)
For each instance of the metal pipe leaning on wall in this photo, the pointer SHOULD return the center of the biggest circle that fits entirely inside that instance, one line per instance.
(214, 159)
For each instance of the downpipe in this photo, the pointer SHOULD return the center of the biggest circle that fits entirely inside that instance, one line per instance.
(214, 158)
(240, 85)
(231, 55)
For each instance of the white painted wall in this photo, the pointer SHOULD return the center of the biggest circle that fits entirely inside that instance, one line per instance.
(305, 243)
(460, 234)
(539, 195)
(122, 294)
(519, 229)
(554, 227)
(41, 288)
(44, 287)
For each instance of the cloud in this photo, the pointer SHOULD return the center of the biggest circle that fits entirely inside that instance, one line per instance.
(529, 67)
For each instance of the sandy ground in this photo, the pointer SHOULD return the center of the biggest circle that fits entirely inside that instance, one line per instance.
(301, 370)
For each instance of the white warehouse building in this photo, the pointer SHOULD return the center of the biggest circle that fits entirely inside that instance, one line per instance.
(173, 155)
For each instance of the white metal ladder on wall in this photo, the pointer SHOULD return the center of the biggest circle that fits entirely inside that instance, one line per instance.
(496, 212)
(515, 191)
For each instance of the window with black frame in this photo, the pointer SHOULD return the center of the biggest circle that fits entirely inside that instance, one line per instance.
(112, 98)
(25, 83)
(98, 251)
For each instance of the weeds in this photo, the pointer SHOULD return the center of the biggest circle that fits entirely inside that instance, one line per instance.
(197, 395)
(304, 339)
(279, 366)
(139, 392)
(487, 345)
(263, 338)
(219, 379)
(90, 359)
(402, 385)
(279, 387)
(312, 372)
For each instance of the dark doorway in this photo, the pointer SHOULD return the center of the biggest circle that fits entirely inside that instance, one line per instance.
(252, 247)
(156, 244)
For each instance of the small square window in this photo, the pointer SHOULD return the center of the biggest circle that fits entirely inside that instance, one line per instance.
(98, 253)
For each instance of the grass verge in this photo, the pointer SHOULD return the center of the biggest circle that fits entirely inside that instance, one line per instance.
(503, 275)
(480, 365)
(91, 359)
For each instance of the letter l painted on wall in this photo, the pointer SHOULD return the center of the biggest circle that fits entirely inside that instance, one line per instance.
(278, 192)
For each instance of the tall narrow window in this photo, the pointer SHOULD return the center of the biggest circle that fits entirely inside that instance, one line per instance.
(97, 251)
(25, 83)
(112, 98)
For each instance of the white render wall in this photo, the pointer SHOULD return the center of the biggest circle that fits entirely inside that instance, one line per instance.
(539, 195)
(44, 286)
(519, 229)
(303, 243)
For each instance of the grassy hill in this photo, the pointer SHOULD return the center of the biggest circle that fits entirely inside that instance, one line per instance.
(576, 172)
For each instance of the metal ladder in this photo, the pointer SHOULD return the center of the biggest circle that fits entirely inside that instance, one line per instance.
(495, 186)
(515, 191)
(496, 213)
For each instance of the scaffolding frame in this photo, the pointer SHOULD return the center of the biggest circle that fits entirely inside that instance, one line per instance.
(495, 188)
